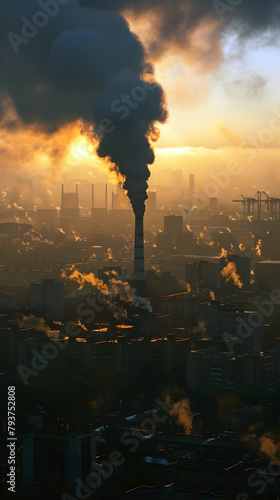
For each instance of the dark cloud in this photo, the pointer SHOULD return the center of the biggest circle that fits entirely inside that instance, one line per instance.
(255, 12)
(177, 19)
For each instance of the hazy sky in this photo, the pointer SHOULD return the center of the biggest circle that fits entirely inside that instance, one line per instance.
(221, 78)
(224, 111)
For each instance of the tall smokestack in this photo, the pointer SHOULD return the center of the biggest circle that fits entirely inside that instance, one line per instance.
(77, 196)
(106, 196)
(62, 195)
(139, 248)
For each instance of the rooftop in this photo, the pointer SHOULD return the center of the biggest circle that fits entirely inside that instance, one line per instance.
(276, 262)
(65, 435)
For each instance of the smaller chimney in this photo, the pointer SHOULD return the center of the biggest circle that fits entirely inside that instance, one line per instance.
(62, 195)
(77, 195)
(106, 196)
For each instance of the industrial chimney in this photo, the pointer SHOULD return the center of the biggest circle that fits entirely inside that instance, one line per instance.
(62, 195)
(106, 197)
(139, 248)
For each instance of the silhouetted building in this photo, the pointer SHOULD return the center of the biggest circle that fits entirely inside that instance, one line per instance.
(165, 243)
(205, 273)
(191, 185)
(191, 193)
(209, 274)
(179, 307)
(213, 205)
(152, 200)
(58, 458)
(173, 225)
(232, 324)
(70, 203)
(247, 416)
(167, 356)
(185, 243)
(257, 374)
(158, 285)
(267, 275)
(210, 371)
(177, 184)
(7, 301)
(47, 299)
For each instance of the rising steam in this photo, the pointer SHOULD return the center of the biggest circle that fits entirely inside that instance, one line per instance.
(37, 324)
(179, 408)
(182, 412)
(270, 447)
(116, 289)
(230, 273)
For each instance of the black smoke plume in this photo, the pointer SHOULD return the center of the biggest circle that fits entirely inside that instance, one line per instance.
(62, 62)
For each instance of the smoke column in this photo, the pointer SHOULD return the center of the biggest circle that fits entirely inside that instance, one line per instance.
(65, 63)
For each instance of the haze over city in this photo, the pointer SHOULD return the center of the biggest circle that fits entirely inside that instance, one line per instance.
(139, 249)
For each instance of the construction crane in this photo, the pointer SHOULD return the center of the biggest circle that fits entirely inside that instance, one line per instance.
(256, 203)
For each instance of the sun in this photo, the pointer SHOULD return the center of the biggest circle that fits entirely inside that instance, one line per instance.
(81, 149)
